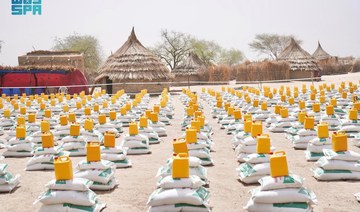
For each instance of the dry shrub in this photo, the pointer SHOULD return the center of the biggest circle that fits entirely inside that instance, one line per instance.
(332, 67)
(250, 71)
(356, 66)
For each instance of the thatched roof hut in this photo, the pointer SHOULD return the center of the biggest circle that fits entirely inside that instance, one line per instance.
(190, 69)
(320, 53)
(302, 64)
(134, 63)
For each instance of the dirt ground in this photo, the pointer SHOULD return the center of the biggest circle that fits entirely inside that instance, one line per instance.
(227, 193)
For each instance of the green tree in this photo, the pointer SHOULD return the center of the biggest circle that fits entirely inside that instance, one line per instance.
(88, 45)
(173, 47)
(271, 44)
(231, 57)
(208, 51)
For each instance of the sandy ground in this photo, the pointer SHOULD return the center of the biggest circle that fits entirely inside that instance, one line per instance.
(227, 193)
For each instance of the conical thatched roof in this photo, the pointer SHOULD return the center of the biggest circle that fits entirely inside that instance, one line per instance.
(320, 53)
(191, 66)
(133, 62)
(298, 58)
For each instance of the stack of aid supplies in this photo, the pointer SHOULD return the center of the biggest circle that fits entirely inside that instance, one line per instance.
(296, 126)
(157, 125)
(316, 145)
(180, 190)
(147, 131)
(7, 181)
(5, 121)
(339, 163)
(20, 145)
(74, 143)
(162, 117)
(256, 164)
(44, 156)
(351, 125)
(330, 118)
(235, 125)
(137, 144)
(243, 132)
(180, 146)
(283, 121)
(303, 136)
(66, 193)
(114, 153)
(280, 191)
(89, 133)
(100, 172)
(104, 126)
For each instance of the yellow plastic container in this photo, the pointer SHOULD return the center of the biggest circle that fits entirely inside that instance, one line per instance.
(180, 166)
(256, 103)
(47, 140)
(23, 110)
(109, 139)
(291, 100)
(247, 126)
(189, 111)
(256, 128)
(7, 113)
(277, 109)
(93, 151)
(144, 122)
(356, 105)
(21, 120)
(263, 144)
(283, 98)
(339, 141)
(20, 132)
(301, 104)
(72, 117)
(196, 125)
(63, 120)
(316, 107)
(96, 107)
(353, 114)
(309, 123)
(191, 135)
(63, 168)
(154, 117)
(180, 146)
(112, 115)
(87, 111)
(75, 129)
(89, 124)
(333, 102)
(312, 96)
(301, 116)
(201, 119)
(128, 106)
(105, 104)
(148, 113)
(247, 116)
(31, 117)
(123, 111)
(156, 108)
(323, 130)
(344, 95)
(322, 99)
(264, 105)
(47, 113)
(133, 128)
(45, 126)
(237, 114)
(278, 164)
(330, 110)
(284, 112)
(102, 118)
(65, 108)
(230, 111)
(219, 104)
(78, 105)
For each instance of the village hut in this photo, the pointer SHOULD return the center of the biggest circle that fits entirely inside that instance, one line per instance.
(131, 66)
(190, 69)
(320, 54)
(302, 64)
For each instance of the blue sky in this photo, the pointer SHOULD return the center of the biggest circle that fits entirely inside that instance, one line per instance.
(231, 23)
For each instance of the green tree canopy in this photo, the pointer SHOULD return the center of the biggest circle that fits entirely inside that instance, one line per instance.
(271, 44)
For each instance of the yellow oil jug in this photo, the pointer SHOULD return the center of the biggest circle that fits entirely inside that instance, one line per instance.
(201, 119)
(198, 113)
(256, 128)
(330, 110)
(65, 108)
(353, 114)
(63, 120)
(264, 105)
(7, 113)
(148, 113)
(263, 144)
(247, 116)
(88, 124)
(196, 125)
(45, 126)
(180, 166)
(180, 146)
(333, 102)
(156, 108)
(339, 141)
(143, 122)
(21, 120)
(102, 118)
(344, 95)
(23, 110)
(75, 129)
(105, 104)
(277, 109)
(47, 113)
(133, 128)
(278, 164)
(20, 132)
(291, 101)
(31, 117)
(78, 105)
(112, 115)
(230, 111)
(296, 94)
(323, 130)
(316, 107)
(87, 111)
(356, 105)
(309, 123)
(312, 96)
(93, 151)
(96, 107)
(283, 98)
(47, 139)
(123, 111)
(72, 117)
(191, 135)
(284, 113)
(109, 139)
(301, 117)
(237, 114)
(248, 126)
(63, 168)
(301, 105)
(189, 111)
(154, 117)
(219, 104)
(256, 103)
(227, 105)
